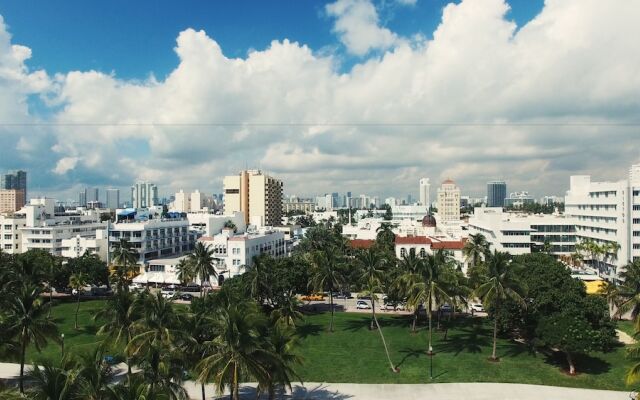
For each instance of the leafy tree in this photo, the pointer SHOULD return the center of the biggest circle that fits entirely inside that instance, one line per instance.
(125, 260)
(53, 382)
(94, 269)
(203, 263)
(326, 274)
(628, 292)
(475, 249)
(186, 272)
(23, 317)
(229, 224)
(93, 376)
(118, 316)
(385, 238)
(371, 267)
(501, 285)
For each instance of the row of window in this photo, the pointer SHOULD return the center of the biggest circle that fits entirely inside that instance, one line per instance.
(597, 207)
(594, 229)
(515, 233)
(554, 228)
(603, 193)
(516, 245)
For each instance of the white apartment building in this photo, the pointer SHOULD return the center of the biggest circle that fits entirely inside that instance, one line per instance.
(257, 195)
(207, 223)
(607, 212)
(144, 195)
(188, 202)
(425, 189)
(37, 226)
(410, 212)
(306, 207)
(237, 251)
(10, 232)
(521, 233)
(78, 245)
(152, 238)
(448, 202)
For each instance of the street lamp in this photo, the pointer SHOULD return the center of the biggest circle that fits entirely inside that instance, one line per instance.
(62, 337)
(430, 362)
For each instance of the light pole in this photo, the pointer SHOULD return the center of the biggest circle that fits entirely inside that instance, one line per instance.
(62, 337)
(430, 362)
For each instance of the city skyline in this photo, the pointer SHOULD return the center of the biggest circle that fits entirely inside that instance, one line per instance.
(373, 97)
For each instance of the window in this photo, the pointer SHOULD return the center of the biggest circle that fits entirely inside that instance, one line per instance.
(423, 253)
(636, 233)
(403, 252)
(232, 191)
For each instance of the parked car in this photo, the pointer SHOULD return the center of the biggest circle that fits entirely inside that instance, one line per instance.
(446, 308)
(169, 288)
(393, 306)
(476, 307)
(363, 305)
(168, 295)
(186, 297)
(343, 295)
(313, 297)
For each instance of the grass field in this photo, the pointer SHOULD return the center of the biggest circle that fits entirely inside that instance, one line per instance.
(354, 354)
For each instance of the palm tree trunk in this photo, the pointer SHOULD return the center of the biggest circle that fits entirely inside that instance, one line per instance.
(331, 305)
(373, 314)
(202, 387)
(50, 300)
(384, 343)
(415, 319)
(236, 384)
(23, 350)
(495, 335)
(572, 367)
(77, 309)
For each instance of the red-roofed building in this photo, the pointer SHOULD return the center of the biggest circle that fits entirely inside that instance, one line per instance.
(423, 245)
(361, 243)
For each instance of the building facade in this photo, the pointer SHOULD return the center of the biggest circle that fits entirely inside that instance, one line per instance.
(496, 193)
(144, 195)
(448, 202)
(607, 213)
(425, 192)
(14, 180)
(257, 195)
(11, 200)
(113, 199)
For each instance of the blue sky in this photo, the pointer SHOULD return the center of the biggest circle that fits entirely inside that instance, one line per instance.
(560, 75)
(135, 38)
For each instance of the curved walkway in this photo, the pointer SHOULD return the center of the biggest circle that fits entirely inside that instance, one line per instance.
(439, 391)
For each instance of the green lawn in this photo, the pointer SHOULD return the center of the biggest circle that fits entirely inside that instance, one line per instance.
(354, 354)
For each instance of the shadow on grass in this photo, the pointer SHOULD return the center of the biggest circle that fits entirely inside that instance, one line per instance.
(411, 353)
(309, 329)
(465, 335)
(585, 364)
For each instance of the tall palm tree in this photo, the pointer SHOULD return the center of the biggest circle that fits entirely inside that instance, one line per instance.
(239, 350)
(155, 344)
(203, 263)
(629, 292)
(125, 260)
(118, 317)
(428, 285)
(286, 313)
(257, 277)
(408, 265)
(282, 342)
(475, 249)
(326, 274)
(77, 281)
(185, 270)
(202, 329)
(372, 274)
(24, 318)
(501, 284)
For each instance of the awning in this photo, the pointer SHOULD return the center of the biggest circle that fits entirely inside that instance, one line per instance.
(593, 287)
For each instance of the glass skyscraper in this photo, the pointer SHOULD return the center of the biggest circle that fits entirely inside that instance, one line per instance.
(496, 193)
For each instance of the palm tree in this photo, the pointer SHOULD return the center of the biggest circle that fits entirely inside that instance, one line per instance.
(51, 274)
(154, 346)
(25, 319)
(238, 351)
(629, 292)
(501, 285)
(118, 316)
(203, 263)
(185, 270)
(93, 376)
(286, 313)
(282, 343)
(372, 273)
(53, 382)
(201, 328)
(325, 274)
(77, 281)
(428, 285)
(408, 265)
(257, 277)
(125, 260)
(475, 249)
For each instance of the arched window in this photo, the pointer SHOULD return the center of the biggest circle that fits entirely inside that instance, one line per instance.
(403, 252)
(423, 253)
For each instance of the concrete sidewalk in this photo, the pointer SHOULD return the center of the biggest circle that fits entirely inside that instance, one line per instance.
(439, 391)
